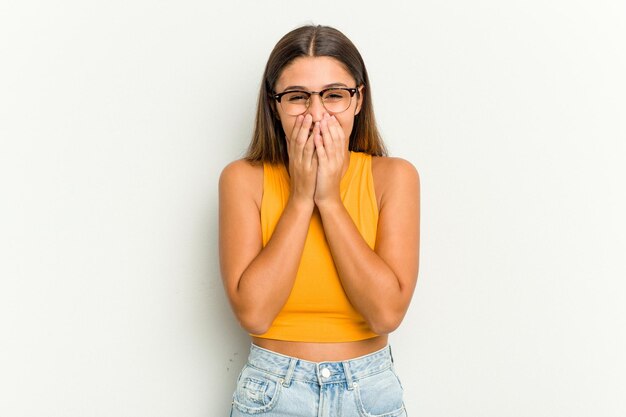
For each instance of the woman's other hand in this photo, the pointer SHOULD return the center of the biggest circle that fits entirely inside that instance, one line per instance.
(303, 161)
(331, 151)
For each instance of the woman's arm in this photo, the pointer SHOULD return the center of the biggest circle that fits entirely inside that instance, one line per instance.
(257, 279)
(380, 282)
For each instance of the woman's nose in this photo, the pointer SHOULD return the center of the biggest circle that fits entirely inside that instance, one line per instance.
(316, 108)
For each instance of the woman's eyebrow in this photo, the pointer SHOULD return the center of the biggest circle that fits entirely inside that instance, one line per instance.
(295, 87)
(335, 85)
(300, 87)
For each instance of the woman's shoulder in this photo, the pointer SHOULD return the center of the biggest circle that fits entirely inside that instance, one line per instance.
(391, 175)
(242, 167)
(242, 176)
(388, 168)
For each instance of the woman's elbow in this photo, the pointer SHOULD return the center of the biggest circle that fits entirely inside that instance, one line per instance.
(384, 324)
(253, 324)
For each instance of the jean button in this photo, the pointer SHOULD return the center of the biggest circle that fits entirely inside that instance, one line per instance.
(325, 372)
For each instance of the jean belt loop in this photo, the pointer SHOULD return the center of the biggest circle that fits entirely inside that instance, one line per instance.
(390, 354)
(289, 375)
(348, 374)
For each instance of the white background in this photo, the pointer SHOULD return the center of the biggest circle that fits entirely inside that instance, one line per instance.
(117, 117)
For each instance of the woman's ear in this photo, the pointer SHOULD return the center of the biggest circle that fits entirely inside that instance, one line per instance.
(359, 99)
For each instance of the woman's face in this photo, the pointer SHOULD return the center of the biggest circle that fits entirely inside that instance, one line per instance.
(316, 74)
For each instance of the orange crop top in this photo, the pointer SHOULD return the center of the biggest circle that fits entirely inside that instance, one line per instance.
(318, 309)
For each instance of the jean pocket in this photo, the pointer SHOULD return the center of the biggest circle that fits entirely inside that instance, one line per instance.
(380, 395)
(257, 391)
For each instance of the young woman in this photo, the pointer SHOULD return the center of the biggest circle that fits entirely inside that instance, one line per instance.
(319, 239)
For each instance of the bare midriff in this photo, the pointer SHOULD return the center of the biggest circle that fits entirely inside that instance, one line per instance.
(322, 352)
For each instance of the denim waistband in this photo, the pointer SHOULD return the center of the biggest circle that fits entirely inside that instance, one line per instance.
(289, 368)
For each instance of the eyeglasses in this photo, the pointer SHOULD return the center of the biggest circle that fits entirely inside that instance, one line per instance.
(296, 102)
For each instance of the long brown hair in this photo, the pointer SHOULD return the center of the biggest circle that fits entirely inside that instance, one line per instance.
(268, 139)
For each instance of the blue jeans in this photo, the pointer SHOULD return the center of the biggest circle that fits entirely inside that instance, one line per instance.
(275, 385)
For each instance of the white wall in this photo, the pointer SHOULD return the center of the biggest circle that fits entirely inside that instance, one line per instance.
(116, 119)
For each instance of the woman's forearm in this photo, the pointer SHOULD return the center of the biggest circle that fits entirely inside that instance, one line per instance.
(266, 283)
(370, 284)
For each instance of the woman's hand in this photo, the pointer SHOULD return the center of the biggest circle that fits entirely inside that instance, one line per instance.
(330, 147)
(303, 163)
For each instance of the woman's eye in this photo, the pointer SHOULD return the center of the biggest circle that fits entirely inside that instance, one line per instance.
(296, 97)
(334, 95)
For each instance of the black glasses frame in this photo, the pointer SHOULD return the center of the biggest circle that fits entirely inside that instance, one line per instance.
(279, 96)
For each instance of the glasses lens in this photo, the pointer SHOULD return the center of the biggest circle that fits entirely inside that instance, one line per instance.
(336, 101)
(295, 102)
